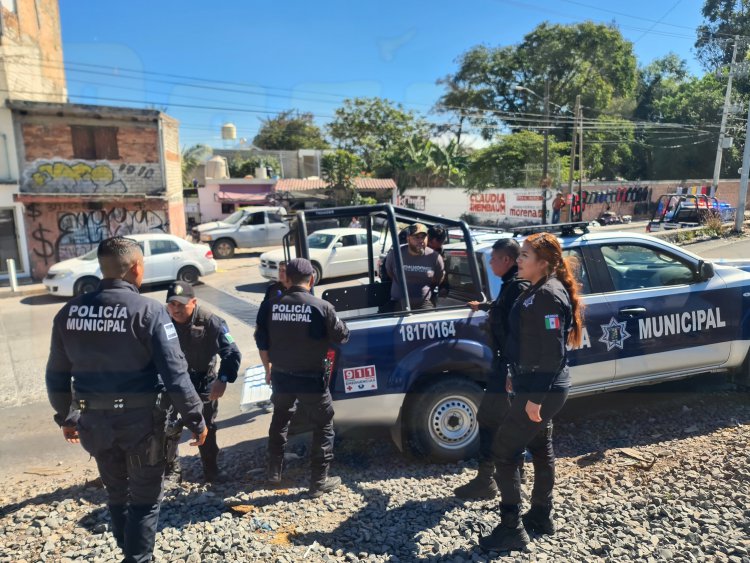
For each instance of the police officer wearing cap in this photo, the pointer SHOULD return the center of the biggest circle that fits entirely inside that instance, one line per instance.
(108, 350)
(203, 335)
(294, 332)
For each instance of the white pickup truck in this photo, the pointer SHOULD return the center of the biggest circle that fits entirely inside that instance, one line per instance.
(248, 227)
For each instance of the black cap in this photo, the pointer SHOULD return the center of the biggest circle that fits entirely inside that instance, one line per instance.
(180, 291)
(299, 266)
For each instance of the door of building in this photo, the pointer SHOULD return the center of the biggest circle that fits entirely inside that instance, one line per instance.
(8, 240)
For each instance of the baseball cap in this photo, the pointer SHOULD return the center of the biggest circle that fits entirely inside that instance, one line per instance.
(180, 291)
(299, 266)
(416, 228)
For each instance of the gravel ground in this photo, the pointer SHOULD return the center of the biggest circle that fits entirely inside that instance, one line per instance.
(641, 476)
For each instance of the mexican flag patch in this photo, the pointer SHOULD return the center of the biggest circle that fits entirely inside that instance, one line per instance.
(551, 322)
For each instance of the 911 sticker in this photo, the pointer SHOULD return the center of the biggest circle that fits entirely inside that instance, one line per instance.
(427, 331)
(357, 380)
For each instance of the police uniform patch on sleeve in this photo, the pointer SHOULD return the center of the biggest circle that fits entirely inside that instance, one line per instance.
(229, 338)
(170, 330)
(551, 322)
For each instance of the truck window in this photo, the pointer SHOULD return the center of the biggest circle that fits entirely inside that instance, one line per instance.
(258, 218)
(459, 274)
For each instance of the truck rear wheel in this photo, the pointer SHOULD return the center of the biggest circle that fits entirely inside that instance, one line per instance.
(441, 421)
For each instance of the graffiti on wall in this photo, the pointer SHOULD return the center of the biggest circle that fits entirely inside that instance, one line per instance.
(99, 177)
(75, 233)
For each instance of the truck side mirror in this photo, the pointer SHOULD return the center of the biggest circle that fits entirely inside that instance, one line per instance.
(705, 270)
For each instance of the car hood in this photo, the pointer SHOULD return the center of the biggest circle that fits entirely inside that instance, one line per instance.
(214, 225)
(76, 265)
(741, 264)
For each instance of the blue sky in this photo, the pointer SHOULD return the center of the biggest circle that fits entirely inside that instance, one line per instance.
(213, 62)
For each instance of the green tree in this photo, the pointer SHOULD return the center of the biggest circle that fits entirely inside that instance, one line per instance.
(608, 148)
(586, 59)
(241, 167)
(424, 163)
(503, 164)
(722, 20)
(339, 168)
(290, 130)
(375, 128)
(689, 152)
(191, 158)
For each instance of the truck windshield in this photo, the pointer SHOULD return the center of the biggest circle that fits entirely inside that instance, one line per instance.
(235, 217)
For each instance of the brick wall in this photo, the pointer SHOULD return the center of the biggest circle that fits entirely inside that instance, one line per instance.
(172, 157)
(728, 191)
(54, 140)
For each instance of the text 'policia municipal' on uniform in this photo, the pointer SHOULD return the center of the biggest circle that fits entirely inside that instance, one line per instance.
(97, 318)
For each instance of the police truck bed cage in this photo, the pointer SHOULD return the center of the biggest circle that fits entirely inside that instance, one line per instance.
(392, 215)
(562, 229)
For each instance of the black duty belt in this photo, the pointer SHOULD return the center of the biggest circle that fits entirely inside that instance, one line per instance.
(117, 404)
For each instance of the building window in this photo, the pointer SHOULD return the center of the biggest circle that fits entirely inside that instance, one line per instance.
(227, 207)
(94, 143)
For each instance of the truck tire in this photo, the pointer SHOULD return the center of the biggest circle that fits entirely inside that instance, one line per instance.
(441, 419)
(86, 285)
(223, 248)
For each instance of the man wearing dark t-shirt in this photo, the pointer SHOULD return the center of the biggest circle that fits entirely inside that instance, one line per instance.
(423, 269)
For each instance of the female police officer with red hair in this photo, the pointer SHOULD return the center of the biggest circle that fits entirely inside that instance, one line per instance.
(544, 318)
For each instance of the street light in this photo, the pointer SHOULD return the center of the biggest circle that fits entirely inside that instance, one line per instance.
(545, 165)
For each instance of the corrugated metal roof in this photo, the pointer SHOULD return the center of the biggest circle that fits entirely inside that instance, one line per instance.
(288, 184)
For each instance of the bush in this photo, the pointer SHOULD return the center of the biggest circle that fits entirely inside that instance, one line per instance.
(714, 226)
(241, 167)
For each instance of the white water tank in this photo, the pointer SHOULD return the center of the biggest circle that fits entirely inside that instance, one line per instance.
(217, 168)
(228, 132)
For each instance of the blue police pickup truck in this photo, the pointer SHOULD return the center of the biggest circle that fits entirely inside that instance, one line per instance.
(654, 312)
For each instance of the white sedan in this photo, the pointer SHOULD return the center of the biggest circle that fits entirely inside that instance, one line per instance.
(333, 253)
(166, 258)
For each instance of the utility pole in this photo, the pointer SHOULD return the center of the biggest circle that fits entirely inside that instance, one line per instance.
(580, 163)
(573, 158)
(545, 167)
(739, 217)
(722, 129)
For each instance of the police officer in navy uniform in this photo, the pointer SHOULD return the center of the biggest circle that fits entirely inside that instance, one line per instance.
(495, 402)
(294, 333)
(544, 320)
(108, 349)
(203, 335)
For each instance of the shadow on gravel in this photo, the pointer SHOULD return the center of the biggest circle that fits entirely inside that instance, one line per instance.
(365, 530)
(91, 492)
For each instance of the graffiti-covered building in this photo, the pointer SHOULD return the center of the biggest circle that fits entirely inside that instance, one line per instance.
(91, 172)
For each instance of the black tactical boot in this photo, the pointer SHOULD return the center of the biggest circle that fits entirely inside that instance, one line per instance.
(509, 535)
(275, 465)
(318, 489)
(538, 520)
(482, 486)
